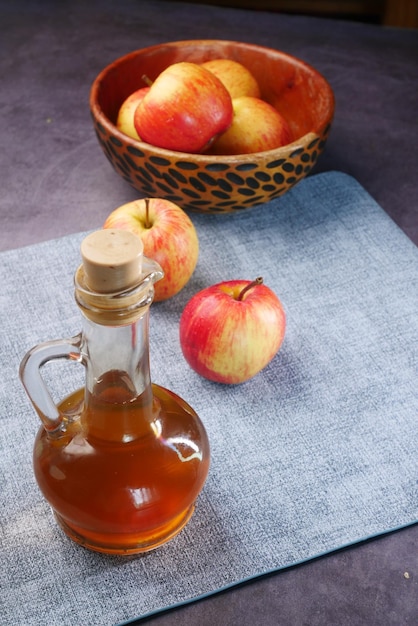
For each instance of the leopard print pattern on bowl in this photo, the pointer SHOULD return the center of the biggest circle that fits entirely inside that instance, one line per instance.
(224, 186)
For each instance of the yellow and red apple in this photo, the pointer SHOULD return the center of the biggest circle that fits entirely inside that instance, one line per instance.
(185, 109)
(168, 235)
(238, 80)
(230, 331)
(125, 119)
(256, 126)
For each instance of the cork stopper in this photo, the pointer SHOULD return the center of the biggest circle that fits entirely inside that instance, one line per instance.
(112, 260)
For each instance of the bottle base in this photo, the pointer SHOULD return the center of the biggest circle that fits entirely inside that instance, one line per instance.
(125, 544)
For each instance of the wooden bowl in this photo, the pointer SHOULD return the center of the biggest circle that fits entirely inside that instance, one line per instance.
(209, 183)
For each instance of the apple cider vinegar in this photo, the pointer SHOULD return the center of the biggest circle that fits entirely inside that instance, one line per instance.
(122, 460)
(126, 476)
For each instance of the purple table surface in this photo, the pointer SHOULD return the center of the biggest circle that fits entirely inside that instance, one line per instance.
(55, 181)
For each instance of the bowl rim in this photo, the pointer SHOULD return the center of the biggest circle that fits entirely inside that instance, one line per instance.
(203, 158)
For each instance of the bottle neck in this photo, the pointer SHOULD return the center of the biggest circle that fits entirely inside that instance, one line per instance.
(119, 404)
(117, 355)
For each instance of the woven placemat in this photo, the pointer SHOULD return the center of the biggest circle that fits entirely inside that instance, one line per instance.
(317, 452)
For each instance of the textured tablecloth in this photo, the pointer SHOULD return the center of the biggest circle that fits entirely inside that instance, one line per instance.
(317, 452)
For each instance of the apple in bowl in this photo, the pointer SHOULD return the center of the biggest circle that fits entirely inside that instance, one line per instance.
(256, 126)
(230, 331)
(168, 235)
(125, 119)
(186, 108)
(238, 80)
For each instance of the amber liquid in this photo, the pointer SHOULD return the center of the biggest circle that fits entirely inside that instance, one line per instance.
(123, 476)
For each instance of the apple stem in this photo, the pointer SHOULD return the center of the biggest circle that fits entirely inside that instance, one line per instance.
(253, 283)
(147, 220)
(147, 80)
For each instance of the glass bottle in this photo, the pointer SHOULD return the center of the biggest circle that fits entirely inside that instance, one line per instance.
(122, 460)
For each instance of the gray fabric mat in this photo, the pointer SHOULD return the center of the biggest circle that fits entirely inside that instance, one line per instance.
(317, 452)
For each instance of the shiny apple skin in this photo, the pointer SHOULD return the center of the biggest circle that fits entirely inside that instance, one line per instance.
(125, 119)
(256, 126)
(228, 340)
(238, 80)
(186, 108)
(169, 238)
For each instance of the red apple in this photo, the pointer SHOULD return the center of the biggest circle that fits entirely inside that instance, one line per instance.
(236, 77)
(168, 235)
(230, 331)
(256, 126)
(125, 119)
(185, 108)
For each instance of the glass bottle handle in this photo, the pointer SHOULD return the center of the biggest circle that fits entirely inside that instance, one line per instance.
(30, 375)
